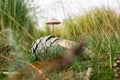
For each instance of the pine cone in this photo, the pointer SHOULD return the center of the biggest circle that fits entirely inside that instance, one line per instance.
(117, 68)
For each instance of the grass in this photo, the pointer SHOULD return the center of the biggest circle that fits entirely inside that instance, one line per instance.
(99, 28)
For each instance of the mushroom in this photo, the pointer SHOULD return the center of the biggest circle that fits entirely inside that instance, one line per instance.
(52, 22)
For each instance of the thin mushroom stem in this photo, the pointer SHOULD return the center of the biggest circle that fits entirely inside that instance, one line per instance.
(53, 29)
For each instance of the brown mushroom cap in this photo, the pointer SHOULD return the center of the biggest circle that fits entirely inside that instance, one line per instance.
(53, 21)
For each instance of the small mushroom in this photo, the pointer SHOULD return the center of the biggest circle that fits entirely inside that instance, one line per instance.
(52, 22)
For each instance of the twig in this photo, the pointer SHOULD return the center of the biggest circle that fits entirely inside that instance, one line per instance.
(38, 70)
(88, 73)
(110, 60)
(4, 57)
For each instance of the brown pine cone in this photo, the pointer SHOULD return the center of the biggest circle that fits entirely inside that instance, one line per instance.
(117, 68)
